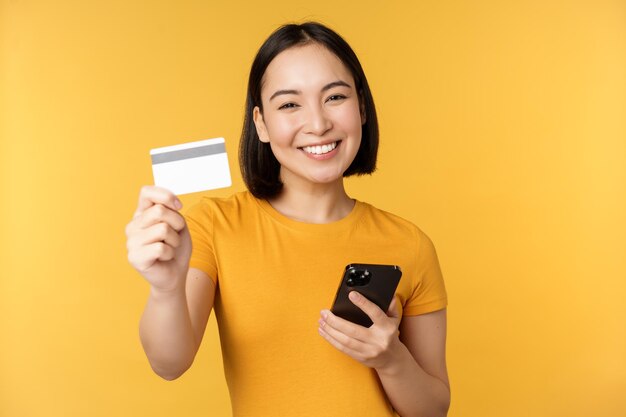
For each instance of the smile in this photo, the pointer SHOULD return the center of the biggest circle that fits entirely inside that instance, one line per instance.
(320, 150)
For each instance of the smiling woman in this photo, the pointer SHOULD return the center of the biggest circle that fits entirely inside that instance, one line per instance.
(259, 166)
(318, 115)
(277, 251)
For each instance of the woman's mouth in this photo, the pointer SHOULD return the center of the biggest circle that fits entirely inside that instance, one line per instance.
(320, 150)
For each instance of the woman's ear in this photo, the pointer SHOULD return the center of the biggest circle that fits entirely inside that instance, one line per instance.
(261, 129)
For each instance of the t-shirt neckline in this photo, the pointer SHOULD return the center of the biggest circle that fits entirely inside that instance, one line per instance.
(342, 224)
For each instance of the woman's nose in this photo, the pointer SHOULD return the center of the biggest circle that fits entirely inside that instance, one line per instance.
(317, 122)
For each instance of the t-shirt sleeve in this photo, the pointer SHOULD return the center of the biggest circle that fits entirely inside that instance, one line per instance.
(429, 292)
(199, 220)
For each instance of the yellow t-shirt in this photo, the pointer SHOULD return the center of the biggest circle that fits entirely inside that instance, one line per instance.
(274, 275)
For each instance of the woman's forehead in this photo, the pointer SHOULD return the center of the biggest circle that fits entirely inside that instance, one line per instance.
(306, 65)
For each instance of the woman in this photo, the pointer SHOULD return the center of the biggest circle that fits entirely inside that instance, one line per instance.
(269, 259)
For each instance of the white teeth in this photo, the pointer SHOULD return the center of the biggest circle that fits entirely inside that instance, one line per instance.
(319, 150)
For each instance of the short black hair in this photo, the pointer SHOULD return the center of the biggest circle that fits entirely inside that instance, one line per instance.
(259, 167)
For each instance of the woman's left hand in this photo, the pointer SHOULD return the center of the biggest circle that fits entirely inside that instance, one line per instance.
(374, 346)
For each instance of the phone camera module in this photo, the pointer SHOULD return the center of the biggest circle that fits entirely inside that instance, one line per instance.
(358, 277)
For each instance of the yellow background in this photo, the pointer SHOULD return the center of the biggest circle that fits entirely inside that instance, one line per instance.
(503, 137)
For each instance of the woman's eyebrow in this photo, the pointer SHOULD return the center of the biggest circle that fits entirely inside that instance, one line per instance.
(327, 87)
(337, 83)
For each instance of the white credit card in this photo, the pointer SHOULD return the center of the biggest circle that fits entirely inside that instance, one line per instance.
(191, 167)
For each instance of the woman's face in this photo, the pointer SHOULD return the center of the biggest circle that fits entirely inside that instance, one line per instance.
(311, 115)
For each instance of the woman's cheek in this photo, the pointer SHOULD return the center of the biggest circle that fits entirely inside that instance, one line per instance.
(286, 128)
(347, 116)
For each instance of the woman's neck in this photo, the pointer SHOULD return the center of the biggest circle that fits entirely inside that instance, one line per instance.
(318, 203)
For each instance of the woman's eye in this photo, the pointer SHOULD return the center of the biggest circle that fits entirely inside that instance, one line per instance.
(288, 106)
(336, 97)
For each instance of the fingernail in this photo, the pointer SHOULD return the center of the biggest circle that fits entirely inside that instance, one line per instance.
(178, 204)
(324, 314)
(354, 296)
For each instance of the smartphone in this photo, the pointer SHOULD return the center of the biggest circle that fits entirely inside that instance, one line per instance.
(377, 283)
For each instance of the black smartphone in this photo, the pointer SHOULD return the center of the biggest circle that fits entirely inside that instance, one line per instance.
(377, 283)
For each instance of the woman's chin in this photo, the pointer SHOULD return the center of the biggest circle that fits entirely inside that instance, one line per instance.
(313, 177)
(324, 176)
(327, 180)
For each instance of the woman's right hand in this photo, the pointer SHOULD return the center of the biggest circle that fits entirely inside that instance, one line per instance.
(158, 241)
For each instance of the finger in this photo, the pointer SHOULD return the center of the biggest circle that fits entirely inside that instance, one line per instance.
(144, 257)
(150, 195)
(343, 338)
(159, 213)
(160, 232)
(393, 311)
(344, 326)
(165, 252)
(372, 310)
(334, 342)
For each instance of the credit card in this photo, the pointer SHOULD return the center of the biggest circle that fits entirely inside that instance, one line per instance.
(191, 167)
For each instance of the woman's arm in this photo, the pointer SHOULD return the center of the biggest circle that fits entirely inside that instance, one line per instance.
(411, 367)
(173, 324)
(417, 383)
